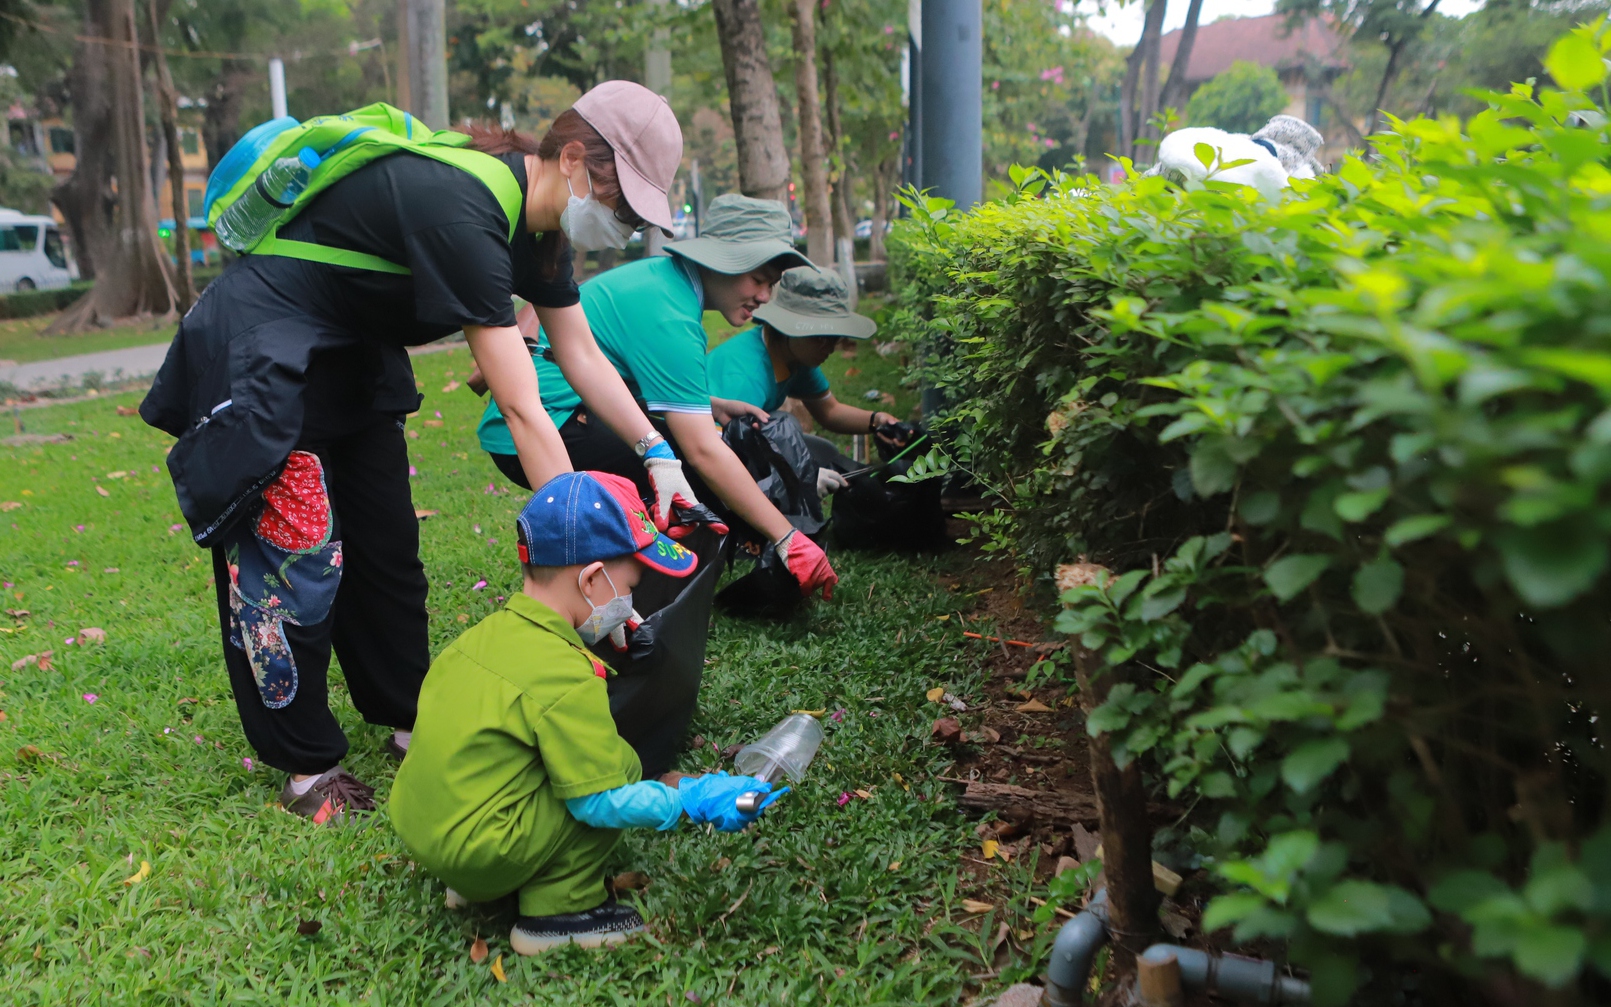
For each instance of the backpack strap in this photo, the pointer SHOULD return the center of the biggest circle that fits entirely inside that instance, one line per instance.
(492, 173)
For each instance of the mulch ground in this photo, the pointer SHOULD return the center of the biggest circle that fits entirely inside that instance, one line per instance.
(1021, 749)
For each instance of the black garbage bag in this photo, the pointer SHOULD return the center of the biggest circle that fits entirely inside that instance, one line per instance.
(874, 513)
(769, 589)
(778, 459)
(655, 688)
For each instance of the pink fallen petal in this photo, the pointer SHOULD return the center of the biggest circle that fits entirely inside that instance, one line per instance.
(199, 741)
(72, 562)
(247, 762)
(439, 414)
(78, 527)
(837, 715)
(174, 528)
(413, 471)
(492, 541)
(90, 697)
(844, 799)
(478, 585)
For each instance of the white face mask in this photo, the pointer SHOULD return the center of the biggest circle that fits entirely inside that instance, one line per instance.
(604, 618)
(590, 224)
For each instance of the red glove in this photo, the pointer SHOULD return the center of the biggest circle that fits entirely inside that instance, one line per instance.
(808, 563)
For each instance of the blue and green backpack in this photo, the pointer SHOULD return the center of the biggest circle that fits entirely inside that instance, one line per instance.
(343, 144)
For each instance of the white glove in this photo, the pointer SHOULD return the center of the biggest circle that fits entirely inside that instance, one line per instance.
(618, 635)
(829, 481)
(666, 476)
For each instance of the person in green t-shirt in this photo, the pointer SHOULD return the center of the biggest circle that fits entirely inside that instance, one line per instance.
(782, 358)
(648, 319)
(516, 779)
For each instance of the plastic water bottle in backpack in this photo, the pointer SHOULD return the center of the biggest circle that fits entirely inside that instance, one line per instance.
(257, 210)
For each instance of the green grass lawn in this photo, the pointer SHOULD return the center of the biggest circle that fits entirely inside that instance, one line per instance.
(824, 902)
(20, 340)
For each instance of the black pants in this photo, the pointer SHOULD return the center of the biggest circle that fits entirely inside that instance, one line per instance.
(378, 622)
(594, 447)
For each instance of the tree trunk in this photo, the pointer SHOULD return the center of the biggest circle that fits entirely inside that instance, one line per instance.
(1174, 92)
(1152, 42)
(221, 120)
(1126, 831)
(167, 101)
(132, 272)
(1388, 73)
(752, 95)
(813, 159)
(844, 218)
(887, 171)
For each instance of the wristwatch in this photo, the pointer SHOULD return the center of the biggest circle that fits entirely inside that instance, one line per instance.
(872, 422)
(647, 441)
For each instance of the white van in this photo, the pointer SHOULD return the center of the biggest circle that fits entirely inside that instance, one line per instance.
(33, 255)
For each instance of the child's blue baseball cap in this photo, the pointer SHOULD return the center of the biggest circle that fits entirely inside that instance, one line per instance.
(586, 517)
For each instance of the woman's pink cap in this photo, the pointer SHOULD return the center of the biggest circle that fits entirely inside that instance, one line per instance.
(643, 130)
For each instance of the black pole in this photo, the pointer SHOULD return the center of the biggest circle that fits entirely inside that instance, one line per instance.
(952, 102)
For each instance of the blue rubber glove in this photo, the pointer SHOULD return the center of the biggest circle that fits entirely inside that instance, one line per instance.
(713, 798)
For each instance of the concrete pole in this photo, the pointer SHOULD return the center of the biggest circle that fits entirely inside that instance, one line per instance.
(952, 136)
(427, 62)
(277, 87)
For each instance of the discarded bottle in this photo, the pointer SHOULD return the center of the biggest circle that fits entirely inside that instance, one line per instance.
(265, 201)
(786, 750)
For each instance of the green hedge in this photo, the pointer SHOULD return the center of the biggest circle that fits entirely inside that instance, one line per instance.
(1348, 459)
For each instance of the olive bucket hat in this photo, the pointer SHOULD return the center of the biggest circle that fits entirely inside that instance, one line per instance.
(739, 234)
(814, 302)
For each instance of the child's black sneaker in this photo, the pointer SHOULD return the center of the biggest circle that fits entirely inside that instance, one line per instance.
(610, 923)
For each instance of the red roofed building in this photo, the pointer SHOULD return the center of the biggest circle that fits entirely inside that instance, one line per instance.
(1307, 59)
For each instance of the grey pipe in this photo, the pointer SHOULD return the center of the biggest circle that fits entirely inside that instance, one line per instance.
(1244, 980)
(1077, 942)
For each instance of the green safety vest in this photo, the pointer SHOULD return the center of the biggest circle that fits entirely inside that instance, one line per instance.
(346, 143)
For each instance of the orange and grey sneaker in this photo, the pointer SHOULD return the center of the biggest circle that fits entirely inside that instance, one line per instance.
(331, 798)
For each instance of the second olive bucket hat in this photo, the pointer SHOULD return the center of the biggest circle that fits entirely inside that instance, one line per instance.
(739, 234)
(814, 302)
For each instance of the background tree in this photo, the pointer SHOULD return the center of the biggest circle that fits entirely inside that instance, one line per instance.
(108, 196)
(1050, 89)
(1174, 88)
(1138, 95)
(168, 114)
(763, 161)
(808, 110)
(1394, 25)
(1239, 99)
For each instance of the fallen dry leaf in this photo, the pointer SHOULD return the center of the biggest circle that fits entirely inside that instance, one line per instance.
(497, 970)
(1065, 864)
(2, 716)
(935, 694)
(423, 514)
(975, 906)
(865, 795)
(24, 661)
(44, 661)
(27, 752)
(139, 875)
(6, 505)
(119, 474)
(811, 713)
(631, 881)
(988, 735)
(95, 633)
(895, 865)
(851, 372)
(127, 411)
(307, 928)
(947, 731)
(433, 423)
(478, 951)
(450, 386)
(102, 491)
(1033, 706)
(18, 613)
(989, 849)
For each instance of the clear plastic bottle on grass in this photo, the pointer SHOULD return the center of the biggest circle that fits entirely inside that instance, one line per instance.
(265, 201)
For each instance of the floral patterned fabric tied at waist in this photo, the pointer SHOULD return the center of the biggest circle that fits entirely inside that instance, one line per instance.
(283, 568)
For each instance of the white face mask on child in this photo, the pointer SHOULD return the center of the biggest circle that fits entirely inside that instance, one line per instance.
(604, 618)
(590, 224)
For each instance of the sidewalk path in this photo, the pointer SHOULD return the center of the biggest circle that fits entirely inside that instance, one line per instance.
(124, 365)
(67, 372)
